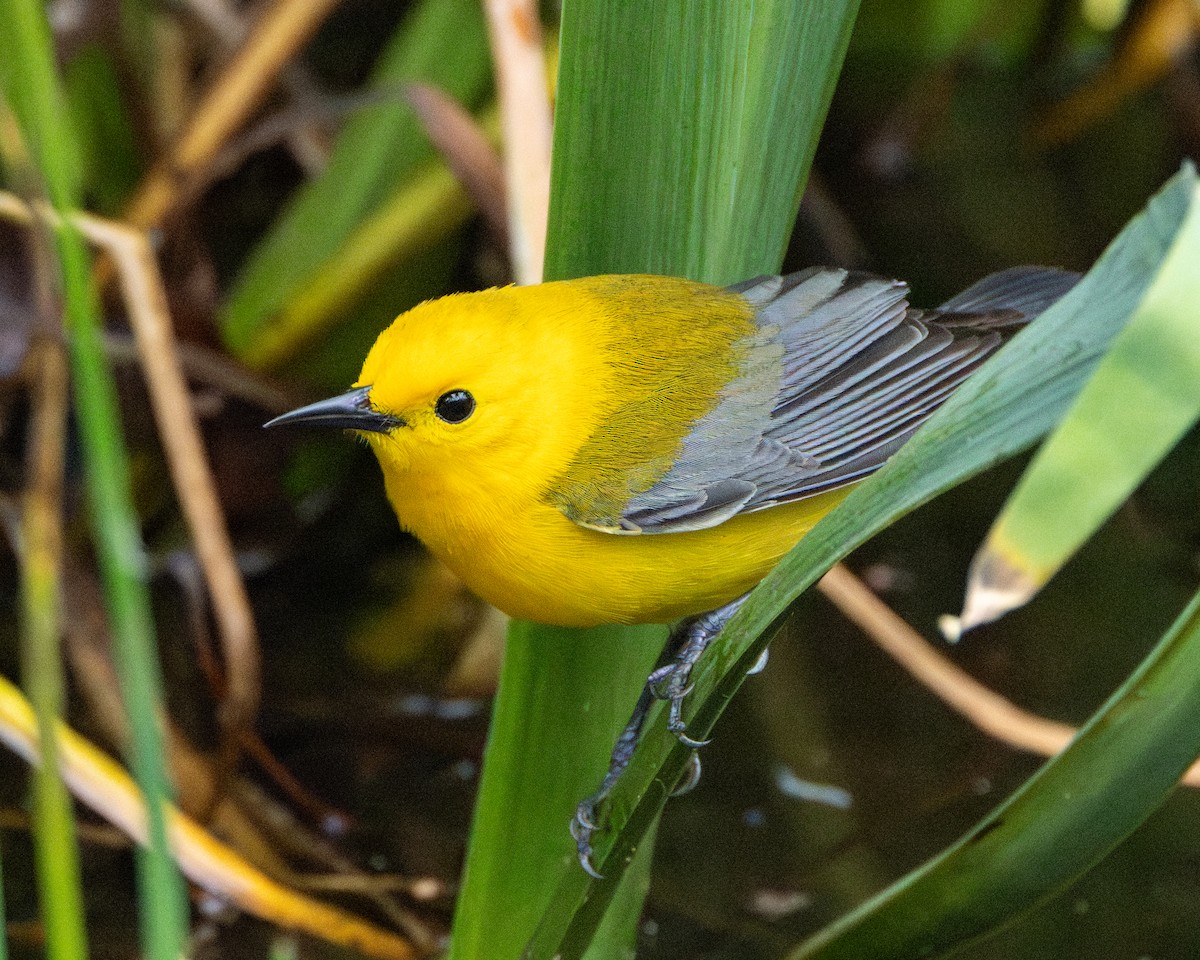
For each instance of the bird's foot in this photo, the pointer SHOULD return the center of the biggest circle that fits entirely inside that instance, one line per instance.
(671, 682)
(587, 821)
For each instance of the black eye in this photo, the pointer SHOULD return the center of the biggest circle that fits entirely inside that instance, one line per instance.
(455, 406)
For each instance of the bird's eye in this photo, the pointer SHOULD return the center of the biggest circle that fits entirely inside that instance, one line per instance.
(454, 406)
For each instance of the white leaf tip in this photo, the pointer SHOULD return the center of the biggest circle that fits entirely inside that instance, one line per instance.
(950, 627)
(995, 586)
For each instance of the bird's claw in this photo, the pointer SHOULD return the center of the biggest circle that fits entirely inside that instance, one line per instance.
(691, 777)
(675, 722)
(583, 825)
(585, 861)
(690, 742)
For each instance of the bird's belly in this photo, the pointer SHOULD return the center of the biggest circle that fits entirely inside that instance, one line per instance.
(550, 570)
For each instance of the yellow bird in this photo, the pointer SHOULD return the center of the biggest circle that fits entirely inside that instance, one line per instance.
(637, 449)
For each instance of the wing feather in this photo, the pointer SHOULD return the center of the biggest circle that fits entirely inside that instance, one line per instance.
(840, 372)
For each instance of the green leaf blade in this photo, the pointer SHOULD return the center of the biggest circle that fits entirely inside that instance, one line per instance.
(34, 91)
(553, 726)
(742, 88)
(1065, 819)
(661, 165)
(1142, 399)
(1013, 400)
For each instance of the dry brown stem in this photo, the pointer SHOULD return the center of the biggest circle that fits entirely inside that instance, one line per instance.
(986, 709)
(146, 303)
(517, 51)
(241, 88)
(248, 820)
(101, 784)
(466, 148)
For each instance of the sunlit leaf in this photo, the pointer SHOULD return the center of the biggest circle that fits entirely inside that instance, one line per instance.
(1142, 399)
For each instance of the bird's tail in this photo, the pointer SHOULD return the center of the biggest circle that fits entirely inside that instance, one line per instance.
(1010, 297)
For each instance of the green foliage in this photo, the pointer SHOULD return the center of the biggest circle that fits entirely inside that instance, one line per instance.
(1142, 399)
(1078, 807)
(378, 151)
(684, 134)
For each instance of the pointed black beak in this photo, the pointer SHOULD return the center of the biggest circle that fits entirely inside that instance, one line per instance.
(350, 411)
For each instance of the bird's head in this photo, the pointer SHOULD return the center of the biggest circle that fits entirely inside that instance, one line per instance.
(485, 384)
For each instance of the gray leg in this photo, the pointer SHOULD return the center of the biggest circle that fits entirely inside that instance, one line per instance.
(670, 681)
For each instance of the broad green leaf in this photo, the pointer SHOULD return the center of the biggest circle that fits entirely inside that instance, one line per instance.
(682, 142)
(662, 162)
(564, 698)
(442, 42)
(1117, 771)
(1007, 405)
(1143, 398)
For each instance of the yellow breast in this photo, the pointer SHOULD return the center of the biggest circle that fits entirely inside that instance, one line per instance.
(536, 564)
(585, 392)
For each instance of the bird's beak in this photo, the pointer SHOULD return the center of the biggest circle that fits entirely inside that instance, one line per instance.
(350, 411)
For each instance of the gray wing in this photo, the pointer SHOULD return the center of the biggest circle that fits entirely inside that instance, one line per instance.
(841, 372)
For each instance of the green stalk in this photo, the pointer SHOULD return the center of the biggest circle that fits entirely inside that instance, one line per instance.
(32, 88)
(661, 164)
(684, 132)
(57, 848)
(553, 727)
(123, 568)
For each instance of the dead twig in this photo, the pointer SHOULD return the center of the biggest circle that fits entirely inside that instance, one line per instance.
(249, 820)
(229, 26)
(983, 707)
(211, 369)
(466, 148)
(146, 302)
(517, 51)
(281, 30)
(101, 784)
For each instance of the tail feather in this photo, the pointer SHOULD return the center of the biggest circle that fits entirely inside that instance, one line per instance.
(1021, 290)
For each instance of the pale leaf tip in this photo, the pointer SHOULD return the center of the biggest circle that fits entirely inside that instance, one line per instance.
(994, 587)
(950, 627)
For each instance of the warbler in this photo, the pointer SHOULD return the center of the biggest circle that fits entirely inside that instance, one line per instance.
(640, 449)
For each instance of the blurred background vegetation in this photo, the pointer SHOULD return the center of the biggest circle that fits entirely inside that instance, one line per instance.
(965, 136)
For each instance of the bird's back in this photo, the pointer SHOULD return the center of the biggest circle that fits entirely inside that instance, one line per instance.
(831, 373)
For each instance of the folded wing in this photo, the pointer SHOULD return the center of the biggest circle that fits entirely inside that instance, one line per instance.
(840, 373)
